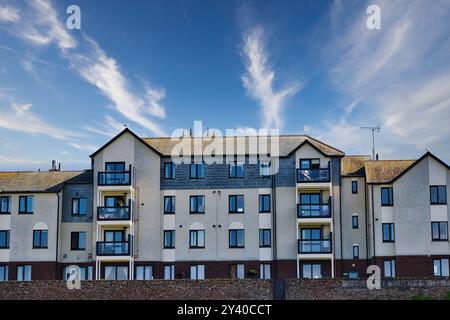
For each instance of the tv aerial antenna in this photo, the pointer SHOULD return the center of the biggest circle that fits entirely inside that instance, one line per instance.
(374, 130)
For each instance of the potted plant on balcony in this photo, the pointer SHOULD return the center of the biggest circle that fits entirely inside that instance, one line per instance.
(252, 273)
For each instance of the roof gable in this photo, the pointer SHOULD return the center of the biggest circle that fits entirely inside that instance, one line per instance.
(126, 130)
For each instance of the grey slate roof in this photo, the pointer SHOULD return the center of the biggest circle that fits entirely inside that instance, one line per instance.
(287, 144)
(37, 181)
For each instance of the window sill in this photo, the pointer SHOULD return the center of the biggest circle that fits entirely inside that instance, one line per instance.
(5, 213)
(439, 240)
(232, 212)
(40, 247)
(196, 247)
(26, 212)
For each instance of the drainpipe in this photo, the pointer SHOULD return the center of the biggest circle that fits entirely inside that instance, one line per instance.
(373, 223)
(274, 226)
(340, 217)
(366, 209)
(57, 236)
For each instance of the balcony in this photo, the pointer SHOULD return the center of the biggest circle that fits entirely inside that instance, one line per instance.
(313, 211)
(114, 213)
(313, 175)
(114, 178)
(314, 246)
(106, 248)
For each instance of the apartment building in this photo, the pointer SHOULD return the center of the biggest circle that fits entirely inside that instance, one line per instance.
(136, 214)
(395, 215)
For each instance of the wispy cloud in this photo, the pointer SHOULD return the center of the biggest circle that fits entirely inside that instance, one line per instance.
(21, 118)
(41, 26)
(259, 80)
(85, 147)
(19, 161)
(110, 128)
(388, 72)
(9, 14)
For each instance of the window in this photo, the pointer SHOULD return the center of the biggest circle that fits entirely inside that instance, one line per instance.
(237, 238)
(169, 239)
(387, 198)
(440, 268)
(4, 273)
(169, 170)
(4, 239)
(264, 203)
(309, 164)
(197, 170)
(264, 169)
(196, 239)
(78, 241)
(85, 273)
(389, 268)
(26, 204)
(355, 222)
(237, 271)
(355, 251)
(116, 273)
(5, 205)
(143, 273)
(439, 231)
(388, 232)
(236, 170)
(169, 272)
(115, 166)
(197, 204)
(114, 236)
(354, 186)
(264, 271)
(79, 206)
(265, 238)
(310, 206)
(169, 205)
(24, 273)
(438, 194)
(312, 271)
(236, 204)
(197, 272)
(40, 239)
(115, 201)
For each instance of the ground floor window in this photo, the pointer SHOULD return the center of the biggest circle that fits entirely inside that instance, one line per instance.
(4, 273)
(85, 272)
(237, 271)
(264, 271)
(312, 271)
(389, 268)
(440, 268)
(197, 272)
(169, 272)
(143, 273)
(24, 273)
(116, 272)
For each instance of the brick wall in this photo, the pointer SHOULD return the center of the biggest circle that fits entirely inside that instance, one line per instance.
(226, 289)
(396, 289)
(155, 289)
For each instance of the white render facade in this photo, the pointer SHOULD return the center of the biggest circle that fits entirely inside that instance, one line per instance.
(136, 215)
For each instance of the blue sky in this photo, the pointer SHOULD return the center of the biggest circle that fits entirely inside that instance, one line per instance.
(301, 66)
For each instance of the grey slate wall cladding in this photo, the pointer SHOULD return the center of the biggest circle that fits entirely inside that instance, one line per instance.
(77, 191)
(216, 176)
(336, 171)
